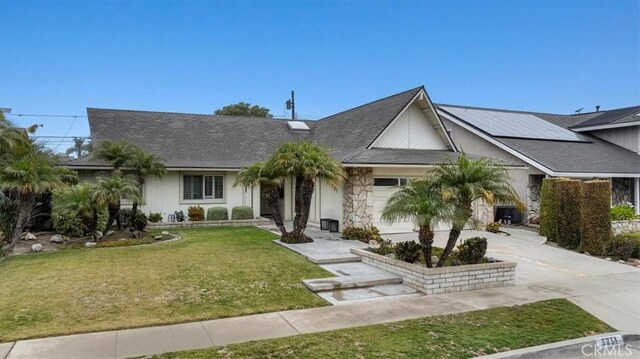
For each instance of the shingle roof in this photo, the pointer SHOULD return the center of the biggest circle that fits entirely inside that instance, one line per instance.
(595, 156)
(612, 117)
(209, 141)
(405, 157)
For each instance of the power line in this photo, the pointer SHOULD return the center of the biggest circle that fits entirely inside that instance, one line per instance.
(66, 133)
(39, 115)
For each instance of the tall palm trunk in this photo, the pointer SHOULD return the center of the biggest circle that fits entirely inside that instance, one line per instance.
(454, 234)
(271, 194)
(425, 236)
(25, 205)
(134, 207)
(306, 193)
(114, 213)
(297, 201)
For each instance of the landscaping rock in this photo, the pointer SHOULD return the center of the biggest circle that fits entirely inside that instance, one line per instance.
(98, 235)
(621, 261)
(137, 234)
(90, 244)
(434, 259)
(636, 262)
(36, 247)
(491, 260)
(164, 233)
(587, 253)
(158, 238)
(28, 236)
(607, 259)
(56, 238)
(110, 232)
(373, 242)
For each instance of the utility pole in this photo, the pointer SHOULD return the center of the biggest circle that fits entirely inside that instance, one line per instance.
(291, 105)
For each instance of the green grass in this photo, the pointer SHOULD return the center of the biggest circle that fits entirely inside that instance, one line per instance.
(449, 336)
(210, 273)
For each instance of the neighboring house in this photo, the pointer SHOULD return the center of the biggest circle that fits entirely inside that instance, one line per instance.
(603, 144)
(381, 144)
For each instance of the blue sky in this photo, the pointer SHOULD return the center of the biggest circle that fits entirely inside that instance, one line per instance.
(549, 56)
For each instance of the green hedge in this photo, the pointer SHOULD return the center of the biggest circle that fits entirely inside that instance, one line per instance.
(549, 209)
(242, 212)
(568, 200)
(595, 220)
(217, 214)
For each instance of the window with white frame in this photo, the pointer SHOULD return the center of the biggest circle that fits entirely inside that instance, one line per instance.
(388, 182)
(202, 187)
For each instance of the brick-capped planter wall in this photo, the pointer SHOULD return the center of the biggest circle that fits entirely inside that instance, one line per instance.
(630, 226)
(227, 223)
(445, 279)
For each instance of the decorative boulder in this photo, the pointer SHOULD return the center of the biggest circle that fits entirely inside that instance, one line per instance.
(434, 259)
(98, 235)
(158, 238)
(28, 236)
(137, 234)
(36, 247)
(110, 232)
(164, 233)
(90, 244)
(56, 238)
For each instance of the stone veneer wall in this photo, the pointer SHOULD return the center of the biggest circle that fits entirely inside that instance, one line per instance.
(534, 188)
(227, 223)
(630, 226)
(357, 207)
(444, 279)
(621, 190)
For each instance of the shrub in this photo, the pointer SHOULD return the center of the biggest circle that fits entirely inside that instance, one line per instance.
(72, 225)
(408, 251)
(569, 196)
(155, 217)
(622, 248)
(139, 222)
(548, 209)
(386, 247)
(366, 234)
(472, 250)
(8, 217)
(242, 212)
(217, 214)
(493, 227)
(595, 220)
(622, 212)
(633, 237)
(195, 213)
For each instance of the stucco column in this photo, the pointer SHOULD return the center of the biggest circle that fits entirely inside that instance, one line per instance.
(357, 208)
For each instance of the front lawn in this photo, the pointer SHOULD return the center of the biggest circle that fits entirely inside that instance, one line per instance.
(210, 273)
(448, 336)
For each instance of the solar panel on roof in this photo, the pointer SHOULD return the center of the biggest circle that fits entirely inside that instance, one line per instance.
(511, 124)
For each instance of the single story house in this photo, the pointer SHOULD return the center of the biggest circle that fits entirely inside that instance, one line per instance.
(381, 144)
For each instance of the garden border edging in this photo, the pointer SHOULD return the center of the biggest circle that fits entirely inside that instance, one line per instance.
(223, 223)
(444, 279)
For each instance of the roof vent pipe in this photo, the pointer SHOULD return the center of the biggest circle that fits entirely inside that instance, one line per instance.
(597, 108)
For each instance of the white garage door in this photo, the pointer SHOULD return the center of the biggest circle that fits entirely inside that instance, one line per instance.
(382, 190)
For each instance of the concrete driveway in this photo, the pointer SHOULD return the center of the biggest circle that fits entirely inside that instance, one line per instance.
(608, 290)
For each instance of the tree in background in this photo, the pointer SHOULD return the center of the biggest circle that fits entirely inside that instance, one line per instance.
(80, 147)
(244, 109)
(466, 180)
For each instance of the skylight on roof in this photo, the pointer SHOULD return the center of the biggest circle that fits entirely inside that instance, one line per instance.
(513, 124)
(298, 126)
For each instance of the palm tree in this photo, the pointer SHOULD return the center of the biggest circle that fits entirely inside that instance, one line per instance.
(80, 148)
(110, 190)
(467, 180)
(269, 179)
(306, 161)
(144, 164)
(27, 176)
(420, 200)
(78, 200)
(12, 138)
(117, 153)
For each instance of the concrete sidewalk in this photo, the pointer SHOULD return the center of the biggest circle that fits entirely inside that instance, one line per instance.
(196, 335)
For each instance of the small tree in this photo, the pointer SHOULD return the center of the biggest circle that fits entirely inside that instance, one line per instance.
(78, 200)
(80, 147)
(420, 200)
(269, 178)
(466, 180)
(306, 162)
(143, 164)
(595, 218)
(244, 109)
(109, 191)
